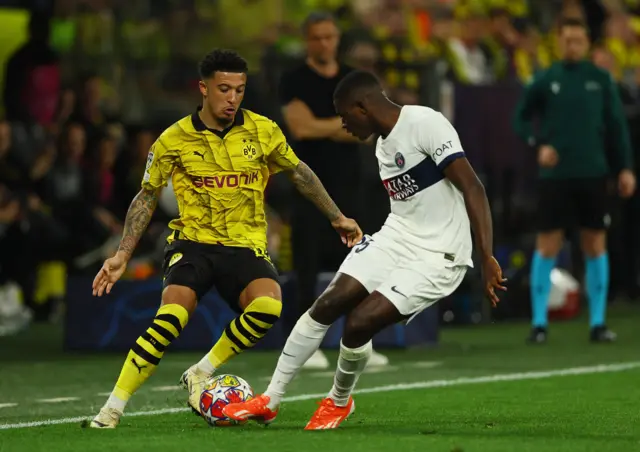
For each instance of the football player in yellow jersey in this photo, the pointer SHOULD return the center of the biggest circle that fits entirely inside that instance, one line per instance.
(219, 160)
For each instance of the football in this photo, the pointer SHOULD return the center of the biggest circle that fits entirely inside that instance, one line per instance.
(220, 391)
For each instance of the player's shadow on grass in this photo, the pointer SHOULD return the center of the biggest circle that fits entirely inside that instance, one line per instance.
(542, 434)
(359, 426)
(451, 429)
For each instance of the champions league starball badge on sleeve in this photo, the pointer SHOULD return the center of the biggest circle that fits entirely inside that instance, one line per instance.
(400, 160)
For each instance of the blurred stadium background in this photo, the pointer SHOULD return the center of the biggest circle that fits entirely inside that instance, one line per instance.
(89, 86)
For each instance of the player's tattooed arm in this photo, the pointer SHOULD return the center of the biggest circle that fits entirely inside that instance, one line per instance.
(462, 175)
(138, 218)
(308, 184)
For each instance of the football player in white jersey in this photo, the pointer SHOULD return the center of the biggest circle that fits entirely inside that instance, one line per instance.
(420, 255)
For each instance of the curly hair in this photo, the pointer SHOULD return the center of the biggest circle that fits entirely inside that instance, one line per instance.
(355, 85)
(222, 60)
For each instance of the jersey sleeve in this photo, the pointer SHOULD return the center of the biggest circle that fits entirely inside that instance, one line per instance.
(161, 161)
(439, 140)
(529, 106)
(281, 157)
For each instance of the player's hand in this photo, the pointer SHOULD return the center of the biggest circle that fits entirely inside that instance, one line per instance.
(492, 278)
(547, 156)
(111, 271)
(626, 183)
(348, 229)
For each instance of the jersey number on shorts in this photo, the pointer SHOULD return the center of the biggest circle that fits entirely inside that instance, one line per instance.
(364, 243)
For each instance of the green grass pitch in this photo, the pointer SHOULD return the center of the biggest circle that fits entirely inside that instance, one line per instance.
(482, 389)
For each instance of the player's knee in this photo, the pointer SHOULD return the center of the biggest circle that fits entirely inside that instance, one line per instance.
(180, 295)
(326, 309)
(266, 309)
(358, 326)
(548, 244)
(593, 243)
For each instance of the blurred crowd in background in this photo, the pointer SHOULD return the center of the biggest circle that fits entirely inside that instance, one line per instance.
(94, 82)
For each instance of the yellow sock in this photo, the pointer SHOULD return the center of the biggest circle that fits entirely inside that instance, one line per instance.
(58, 282)
(146, 353)
(51, 280)
(243, 332)
(42, 290)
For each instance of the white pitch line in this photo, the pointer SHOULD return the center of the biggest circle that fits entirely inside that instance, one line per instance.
(103, 394)
(425, 364)
(8, 405)
(59, 400)
(535, 375)
(166, 388)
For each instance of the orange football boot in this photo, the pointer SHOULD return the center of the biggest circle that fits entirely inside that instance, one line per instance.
(329, 416)
(255, 409)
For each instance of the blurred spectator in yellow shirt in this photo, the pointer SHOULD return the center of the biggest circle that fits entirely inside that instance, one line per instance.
(515, 8)
(622, 42)
(249, 26)
(472, 60)
(400, 57)
(503, 39)
(532, 54)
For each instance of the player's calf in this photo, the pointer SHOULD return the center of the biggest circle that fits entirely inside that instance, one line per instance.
(374, 314)
(242, 333)
(144, 357)
(343, 294)
(371, 316)
(351, 364)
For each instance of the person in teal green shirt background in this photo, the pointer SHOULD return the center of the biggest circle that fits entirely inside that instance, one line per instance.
(580, 115)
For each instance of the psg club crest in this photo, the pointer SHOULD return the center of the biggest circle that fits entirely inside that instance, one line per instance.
(400, 160)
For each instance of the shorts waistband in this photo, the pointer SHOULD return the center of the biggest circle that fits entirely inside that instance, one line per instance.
(177, 235)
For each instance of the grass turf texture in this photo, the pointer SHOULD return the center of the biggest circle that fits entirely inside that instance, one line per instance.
(585, 411)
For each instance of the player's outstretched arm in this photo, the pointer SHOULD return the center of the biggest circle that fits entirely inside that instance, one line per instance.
(462, 175)
(138, 218)
(309, 185)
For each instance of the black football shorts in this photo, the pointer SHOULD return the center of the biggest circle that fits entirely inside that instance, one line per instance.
(573, 203)
(202, 267)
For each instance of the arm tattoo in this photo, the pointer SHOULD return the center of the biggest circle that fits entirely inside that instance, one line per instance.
(308, 184)
(138, 217)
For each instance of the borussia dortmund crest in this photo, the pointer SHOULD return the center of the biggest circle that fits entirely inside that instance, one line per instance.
(249, 151)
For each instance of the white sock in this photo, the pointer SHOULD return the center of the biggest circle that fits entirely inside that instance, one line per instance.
(114, 402)
(351, 363)
(204, 366)
(304, 340)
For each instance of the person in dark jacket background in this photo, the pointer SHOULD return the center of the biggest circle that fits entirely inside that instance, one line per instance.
(579, 111)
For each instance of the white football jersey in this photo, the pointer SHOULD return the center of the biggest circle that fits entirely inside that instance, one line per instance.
(427, 211)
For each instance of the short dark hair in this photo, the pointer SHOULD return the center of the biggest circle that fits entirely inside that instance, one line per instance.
(571, 22)
(355, 85)
(222, 60)
(317, 17)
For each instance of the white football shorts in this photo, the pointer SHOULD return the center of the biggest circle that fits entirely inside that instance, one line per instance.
(411, 279)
